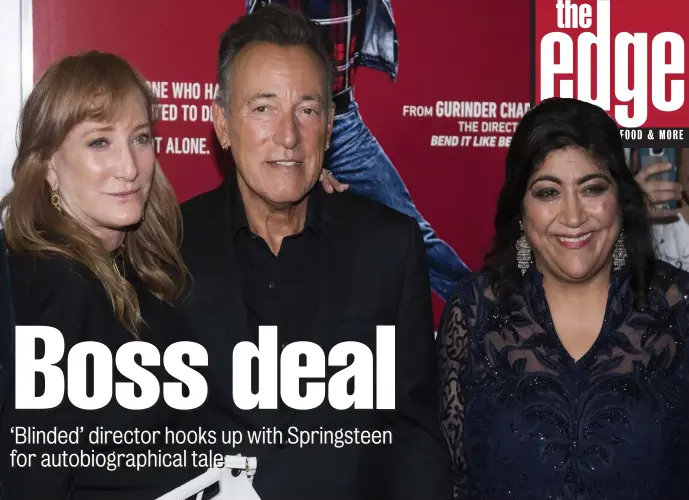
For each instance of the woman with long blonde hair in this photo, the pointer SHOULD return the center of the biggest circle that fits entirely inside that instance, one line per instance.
(93, 228)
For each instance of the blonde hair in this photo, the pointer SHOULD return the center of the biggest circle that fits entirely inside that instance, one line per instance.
(91, 86)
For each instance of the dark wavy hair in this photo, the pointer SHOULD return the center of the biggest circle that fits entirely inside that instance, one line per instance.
(553, 125)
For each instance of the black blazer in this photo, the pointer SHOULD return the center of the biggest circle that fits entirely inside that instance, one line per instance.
(63, 294)
(373, 272)
(7, 323)
(6, 332)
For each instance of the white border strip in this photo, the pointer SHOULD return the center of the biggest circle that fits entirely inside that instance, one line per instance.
(27, 47)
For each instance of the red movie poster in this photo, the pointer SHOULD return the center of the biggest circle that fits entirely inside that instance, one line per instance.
(443, 123)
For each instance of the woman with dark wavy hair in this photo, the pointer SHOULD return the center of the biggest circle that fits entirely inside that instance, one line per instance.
(563, 367)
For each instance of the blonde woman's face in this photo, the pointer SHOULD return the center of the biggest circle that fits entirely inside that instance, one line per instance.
(103, 172)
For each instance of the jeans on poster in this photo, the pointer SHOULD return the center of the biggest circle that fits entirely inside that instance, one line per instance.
(356, 158)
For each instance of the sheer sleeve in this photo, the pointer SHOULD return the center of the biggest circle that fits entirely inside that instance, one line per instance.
(453, 347)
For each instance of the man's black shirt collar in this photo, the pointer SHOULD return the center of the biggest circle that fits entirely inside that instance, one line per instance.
(239, 221)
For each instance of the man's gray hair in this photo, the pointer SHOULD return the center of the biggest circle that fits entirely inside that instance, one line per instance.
(275, 24)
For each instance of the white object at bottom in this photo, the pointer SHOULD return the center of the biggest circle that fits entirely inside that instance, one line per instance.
(232, 482)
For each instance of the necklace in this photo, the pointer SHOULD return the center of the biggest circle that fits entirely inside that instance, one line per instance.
(117, 255)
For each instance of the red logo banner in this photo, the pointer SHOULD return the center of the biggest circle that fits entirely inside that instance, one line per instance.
(626, 56)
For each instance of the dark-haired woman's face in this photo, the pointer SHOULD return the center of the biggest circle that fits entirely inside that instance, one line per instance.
(571, 216)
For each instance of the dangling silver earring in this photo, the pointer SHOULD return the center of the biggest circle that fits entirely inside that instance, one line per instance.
(523, 252)
(619, 253)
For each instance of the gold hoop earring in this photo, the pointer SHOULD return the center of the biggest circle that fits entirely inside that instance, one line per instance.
(55, 200)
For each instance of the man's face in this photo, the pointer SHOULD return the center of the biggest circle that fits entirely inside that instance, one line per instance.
(279, 122)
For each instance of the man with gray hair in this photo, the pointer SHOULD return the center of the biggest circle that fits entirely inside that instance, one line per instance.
(270, 248)
(363, 33)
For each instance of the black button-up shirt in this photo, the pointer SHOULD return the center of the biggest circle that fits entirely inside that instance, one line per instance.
(279, 290)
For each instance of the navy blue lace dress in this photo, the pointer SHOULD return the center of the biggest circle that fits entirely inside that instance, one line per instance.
(524, 421)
